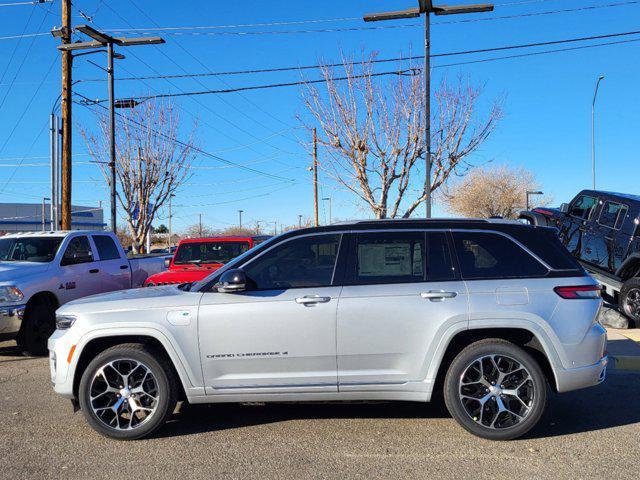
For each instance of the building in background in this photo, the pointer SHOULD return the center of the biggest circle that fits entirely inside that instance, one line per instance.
(27, 217)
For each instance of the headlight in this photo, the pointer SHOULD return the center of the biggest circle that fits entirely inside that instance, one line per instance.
(10, 294)
(64, 322)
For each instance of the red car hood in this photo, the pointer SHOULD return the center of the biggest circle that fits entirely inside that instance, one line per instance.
(182, 274)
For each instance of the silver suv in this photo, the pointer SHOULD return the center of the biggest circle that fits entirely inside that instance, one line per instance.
(492, 313)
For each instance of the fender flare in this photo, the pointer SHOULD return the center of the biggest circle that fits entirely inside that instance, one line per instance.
(629, 268)
(189, 379)
(535, 218)
(544, 339)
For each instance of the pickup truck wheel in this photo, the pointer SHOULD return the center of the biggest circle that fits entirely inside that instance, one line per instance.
(630, 299)
(127, 392)
(38, 325)
(495, 390)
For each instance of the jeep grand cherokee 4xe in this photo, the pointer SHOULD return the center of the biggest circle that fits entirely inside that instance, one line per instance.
(493, 313)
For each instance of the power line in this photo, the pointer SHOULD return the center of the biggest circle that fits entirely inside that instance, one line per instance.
(374, 61)
(188, 145)
(24, 3)
(412, 71)
(24, 57)
(13, 52)
(187, 30)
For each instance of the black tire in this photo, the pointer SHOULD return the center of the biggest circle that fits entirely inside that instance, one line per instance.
(510, 426)
(629, 300)
(165, 382)
(38, 324)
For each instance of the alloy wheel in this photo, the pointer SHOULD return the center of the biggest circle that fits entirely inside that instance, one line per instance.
(124, 394)
(496, 391)
(632, 303)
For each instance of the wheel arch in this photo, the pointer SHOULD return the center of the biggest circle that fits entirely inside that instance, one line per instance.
(98, 344)
(630, 268)
(519, 336)
(43, 297)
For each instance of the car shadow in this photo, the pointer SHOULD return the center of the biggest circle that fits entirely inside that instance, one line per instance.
(602, 407)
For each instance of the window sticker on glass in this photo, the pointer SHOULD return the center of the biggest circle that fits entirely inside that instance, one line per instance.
(386, 259)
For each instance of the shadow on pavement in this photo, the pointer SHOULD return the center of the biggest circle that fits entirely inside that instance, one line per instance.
(605, 406)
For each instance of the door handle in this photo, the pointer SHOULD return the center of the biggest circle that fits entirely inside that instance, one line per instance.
(438, 295)
(94, 270)
(124, 267)
(312, 300)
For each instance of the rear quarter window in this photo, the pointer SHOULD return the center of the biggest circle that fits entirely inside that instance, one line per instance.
(491, 256)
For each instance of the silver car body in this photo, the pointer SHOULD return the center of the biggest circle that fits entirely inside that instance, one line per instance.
(349, 342)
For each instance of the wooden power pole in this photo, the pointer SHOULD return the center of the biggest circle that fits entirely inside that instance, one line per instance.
(315, 177)
(67, 59)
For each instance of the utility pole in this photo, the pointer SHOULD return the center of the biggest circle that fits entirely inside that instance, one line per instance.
(299, 221)
(200, 225)
(170, 231)
(54, 171)
(593, 132)
(99, 40)
(427, 7)
(315, 177)
(275, 227)
(240, 219)
(65, 107)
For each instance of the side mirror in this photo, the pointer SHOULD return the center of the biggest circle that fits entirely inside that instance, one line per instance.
(167, 262)
(564, 208)
(231, 281)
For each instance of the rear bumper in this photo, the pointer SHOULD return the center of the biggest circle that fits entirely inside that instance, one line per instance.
(576, 378)
(10, 320)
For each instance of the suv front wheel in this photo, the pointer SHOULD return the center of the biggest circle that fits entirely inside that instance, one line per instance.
(127, 391)
(495, 390)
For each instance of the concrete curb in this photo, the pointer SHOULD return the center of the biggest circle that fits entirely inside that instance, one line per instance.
(624, 362)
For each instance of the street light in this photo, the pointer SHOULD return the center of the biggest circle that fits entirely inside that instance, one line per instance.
(240, 217)
(329, 200)
(532, 192)
(593, 132)
(427, 7)
(101, 39)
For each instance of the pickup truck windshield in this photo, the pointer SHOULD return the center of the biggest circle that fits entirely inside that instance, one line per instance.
(29, 249)
(209, 252)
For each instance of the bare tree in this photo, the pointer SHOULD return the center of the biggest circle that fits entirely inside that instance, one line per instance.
(374, 133)
(151, 163)
(498, 191)
(196, 230)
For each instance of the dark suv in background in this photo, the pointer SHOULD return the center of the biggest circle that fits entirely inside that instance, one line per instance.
(602, 230)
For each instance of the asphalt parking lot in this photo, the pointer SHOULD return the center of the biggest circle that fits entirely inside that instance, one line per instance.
(593, 433)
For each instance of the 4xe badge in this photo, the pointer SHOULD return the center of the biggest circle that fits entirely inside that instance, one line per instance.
(67, 286)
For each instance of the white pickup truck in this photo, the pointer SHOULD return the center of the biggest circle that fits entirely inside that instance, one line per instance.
(40, 271)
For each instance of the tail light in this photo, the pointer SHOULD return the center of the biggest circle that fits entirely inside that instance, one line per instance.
(579, 292)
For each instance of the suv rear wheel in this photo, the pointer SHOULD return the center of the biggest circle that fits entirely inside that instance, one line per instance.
(495, 390)
(127, 392)
(630, 299)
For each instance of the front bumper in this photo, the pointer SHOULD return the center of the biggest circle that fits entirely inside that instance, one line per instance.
(11, 319)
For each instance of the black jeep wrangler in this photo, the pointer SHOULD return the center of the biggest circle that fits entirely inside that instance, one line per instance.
(602, 230)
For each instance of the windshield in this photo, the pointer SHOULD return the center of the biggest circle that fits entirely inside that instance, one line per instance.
(29, 249)
(209, 252)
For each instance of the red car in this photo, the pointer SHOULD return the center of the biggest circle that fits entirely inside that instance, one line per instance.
(196, 258)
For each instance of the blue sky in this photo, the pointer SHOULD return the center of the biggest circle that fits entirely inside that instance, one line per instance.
(546, 128)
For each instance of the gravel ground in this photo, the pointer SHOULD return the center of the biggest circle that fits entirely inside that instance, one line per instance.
(593, 433)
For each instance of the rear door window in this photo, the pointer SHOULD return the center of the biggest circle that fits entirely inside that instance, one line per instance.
(106, 247)
(490, 256)
(583, 207)
(613, 215)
